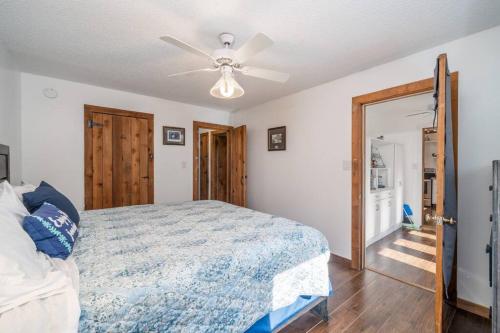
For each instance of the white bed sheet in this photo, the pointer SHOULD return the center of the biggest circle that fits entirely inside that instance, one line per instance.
(55, 311)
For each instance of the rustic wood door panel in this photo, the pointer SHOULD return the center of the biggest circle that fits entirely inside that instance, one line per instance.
(97, 180)
(238, 177)
(219, 182)
(445, 193)
(118, 158)
(204, 179)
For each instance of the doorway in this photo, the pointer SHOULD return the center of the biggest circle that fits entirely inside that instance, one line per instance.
(118, 157)
(396, 242)
(214, 160)
(445, 88)
(429, 185)
(219, 163)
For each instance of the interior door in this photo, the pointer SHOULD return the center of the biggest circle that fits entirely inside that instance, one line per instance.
(446, 205)
(118, 158)
(219, 175)
(204, 165)
(238, 182)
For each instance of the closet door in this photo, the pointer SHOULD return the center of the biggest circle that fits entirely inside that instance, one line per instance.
(118, 158)
(238, 183)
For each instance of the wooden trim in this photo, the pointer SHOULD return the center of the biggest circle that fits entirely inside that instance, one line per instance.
(474, 308)
(358, 129)
(117, 112)
(196, 151)
(339, 260)
(88, 154)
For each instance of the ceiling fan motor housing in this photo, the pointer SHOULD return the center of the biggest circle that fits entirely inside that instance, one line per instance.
(226, 39)
(224, 56)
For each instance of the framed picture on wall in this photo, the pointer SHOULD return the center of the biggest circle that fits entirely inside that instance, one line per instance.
(174, 136)
(276, 138)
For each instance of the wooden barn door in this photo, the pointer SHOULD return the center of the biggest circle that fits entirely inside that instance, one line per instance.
(119, 161)
(238, 183)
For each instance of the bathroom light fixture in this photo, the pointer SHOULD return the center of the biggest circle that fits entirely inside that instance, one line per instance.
(227, 87)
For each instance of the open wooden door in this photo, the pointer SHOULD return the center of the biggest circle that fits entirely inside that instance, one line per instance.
(446, 204)
(238, 182)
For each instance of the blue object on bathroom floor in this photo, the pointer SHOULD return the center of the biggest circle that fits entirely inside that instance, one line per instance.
(408, 218)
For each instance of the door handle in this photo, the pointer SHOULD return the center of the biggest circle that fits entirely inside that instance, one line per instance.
(439, 219)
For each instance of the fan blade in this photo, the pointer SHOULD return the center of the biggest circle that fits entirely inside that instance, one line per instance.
(194, 71)
(186, 47)
(253, 46)
(418, 114)
(265, 74)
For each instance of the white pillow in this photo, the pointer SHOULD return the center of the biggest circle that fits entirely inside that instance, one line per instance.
(25, 274)
(21, 189)
(10, 203)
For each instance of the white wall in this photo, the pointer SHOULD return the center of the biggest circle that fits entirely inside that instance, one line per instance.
(10, 112)
(412, 169)
(52, 135)
(311, 182)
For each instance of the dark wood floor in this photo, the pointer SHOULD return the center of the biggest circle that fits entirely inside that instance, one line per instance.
(406, 255)
(370, 302)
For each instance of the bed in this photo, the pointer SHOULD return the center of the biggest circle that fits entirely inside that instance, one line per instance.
(198, 266)
(202, 266)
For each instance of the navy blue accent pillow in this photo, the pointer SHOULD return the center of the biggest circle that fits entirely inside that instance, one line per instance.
(47, 193)
(52, 231)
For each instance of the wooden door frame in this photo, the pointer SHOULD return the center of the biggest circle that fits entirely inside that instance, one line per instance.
(196, 151)
(87, 144)
(358, 150)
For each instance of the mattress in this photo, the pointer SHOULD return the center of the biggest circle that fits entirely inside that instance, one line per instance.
(202, 266)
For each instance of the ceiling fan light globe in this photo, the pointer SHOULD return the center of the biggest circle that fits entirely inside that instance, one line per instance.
(226, 88)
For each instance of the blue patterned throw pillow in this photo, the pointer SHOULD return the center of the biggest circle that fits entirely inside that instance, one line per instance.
(52, 231)
(47, 193)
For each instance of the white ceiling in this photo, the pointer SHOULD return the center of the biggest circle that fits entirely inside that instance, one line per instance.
(391, 116)
(115, 43)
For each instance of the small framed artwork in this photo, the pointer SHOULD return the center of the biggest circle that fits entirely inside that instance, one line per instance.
(276, 138)
(174, 136)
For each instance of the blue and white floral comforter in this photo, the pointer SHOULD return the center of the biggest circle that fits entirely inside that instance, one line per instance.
(202, 266)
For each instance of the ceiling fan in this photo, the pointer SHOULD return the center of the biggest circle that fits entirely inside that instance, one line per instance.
(228, 61)
(429, 110)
